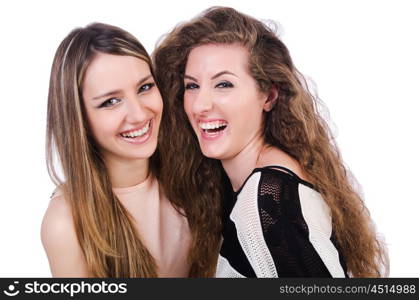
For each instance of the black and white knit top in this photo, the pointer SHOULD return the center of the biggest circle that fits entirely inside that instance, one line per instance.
(278, 225)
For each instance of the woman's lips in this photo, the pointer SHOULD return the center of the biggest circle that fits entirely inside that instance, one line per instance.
(212, 129)
(138, 136)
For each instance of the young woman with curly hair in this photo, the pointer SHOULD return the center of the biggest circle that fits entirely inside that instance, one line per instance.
(238, 105)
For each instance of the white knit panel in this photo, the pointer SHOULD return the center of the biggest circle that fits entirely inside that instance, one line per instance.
(316, 214)
(225, 270)
(245, 216)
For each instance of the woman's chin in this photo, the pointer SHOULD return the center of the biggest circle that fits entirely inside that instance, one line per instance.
(210, 152)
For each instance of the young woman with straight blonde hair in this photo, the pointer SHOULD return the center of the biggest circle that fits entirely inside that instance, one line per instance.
(235, 96)
(112, 214)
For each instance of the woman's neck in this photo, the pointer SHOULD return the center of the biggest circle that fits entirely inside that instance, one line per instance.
(125, 173)
(239, 167)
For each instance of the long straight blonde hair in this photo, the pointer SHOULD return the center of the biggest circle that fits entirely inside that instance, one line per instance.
(103, 226)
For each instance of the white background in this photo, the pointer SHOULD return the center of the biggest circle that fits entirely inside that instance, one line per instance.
(362, 55)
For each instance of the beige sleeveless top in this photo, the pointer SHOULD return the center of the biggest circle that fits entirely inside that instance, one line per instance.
(161, 228)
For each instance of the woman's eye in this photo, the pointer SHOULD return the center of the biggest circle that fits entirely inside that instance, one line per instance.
(110, 102)
(191, 86)
(146, 87)
(224, 84)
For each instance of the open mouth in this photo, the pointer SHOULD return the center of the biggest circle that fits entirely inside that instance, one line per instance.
(213, 128)
(138, 133)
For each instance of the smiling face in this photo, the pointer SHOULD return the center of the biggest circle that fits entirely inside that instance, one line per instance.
(123, 106)
(222, 100)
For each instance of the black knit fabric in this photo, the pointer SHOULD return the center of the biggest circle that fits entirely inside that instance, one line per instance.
(284, 228)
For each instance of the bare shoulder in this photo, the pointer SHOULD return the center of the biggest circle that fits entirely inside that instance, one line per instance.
(57, 222)
(275, 156)
(60, 241)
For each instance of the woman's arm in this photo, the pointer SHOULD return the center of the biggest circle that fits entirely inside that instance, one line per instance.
(60, 242)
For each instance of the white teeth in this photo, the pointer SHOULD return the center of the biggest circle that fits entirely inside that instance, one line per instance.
(138, 132)
(212, 125)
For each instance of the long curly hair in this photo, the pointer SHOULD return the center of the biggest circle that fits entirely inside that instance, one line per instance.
(294, 125)
(104, 228)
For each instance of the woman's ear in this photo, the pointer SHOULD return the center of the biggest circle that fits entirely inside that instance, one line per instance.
(271, 99)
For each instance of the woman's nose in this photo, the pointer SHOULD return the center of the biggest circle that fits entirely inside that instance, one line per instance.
(203, 102)
(135, 111)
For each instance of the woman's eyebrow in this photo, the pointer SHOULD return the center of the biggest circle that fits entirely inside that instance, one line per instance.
(145, 78)
(190, 77)
(213, 77)
(223, 73)
(106, 94)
